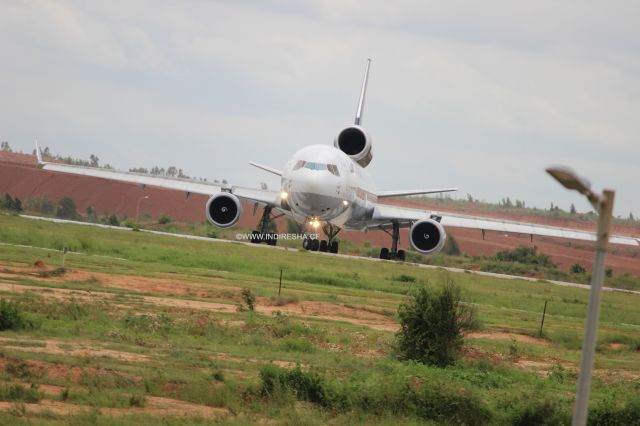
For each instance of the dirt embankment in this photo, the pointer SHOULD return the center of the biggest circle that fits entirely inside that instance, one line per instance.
(20, 177)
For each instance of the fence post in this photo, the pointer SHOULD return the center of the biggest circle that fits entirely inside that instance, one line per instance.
(544, 312)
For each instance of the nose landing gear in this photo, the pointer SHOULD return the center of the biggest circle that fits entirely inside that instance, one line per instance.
(330, 245)
(393, 253)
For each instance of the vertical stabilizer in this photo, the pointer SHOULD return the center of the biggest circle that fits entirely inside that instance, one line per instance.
(362, 94)
(39, 154)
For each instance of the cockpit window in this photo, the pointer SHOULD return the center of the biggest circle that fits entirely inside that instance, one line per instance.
(317, 166)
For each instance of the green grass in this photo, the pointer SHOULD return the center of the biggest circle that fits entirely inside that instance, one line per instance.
(189, 350)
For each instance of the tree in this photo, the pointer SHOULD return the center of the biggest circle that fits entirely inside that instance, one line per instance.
(631, 216)
(94, 161)
(432, 323)
(572, 209)
(67, 209)
(4, 146)
(172, 171)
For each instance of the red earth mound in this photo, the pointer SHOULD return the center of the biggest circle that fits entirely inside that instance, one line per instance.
(20, 177)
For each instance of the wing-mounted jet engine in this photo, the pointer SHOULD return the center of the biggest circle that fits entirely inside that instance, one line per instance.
(427, 236)
(223, 210)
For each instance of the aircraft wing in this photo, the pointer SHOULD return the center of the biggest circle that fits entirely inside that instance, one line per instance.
(185, 185)
(384, 215)
(403, 193)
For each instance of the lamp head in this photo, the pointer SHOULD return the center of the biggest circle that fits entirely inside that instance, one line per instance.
(570, 180)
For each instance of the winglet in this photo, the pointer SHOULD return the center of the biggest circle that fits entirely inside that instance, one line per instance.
(39, 155)
(363, 92)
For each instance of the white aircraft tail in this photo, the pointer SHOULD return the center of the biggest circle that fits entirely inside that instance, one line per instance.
(363, 92)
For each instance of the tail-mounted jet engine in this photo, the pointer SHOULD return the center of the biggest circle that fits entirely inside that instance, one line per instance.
(427, 236)
(356, 143)
(223, 210)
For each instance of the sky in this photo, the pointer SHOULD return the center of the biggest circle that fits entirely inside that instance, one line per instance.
(478, 95)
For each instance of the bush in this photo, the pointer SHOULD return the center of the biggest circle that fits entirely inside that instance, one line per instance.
(577, 268)
(249, 299)
(614, 412)
(431, 325)
(113, 220)
(165, 219)
(20, 393)
(67, 209)
(375, 395)
(526, 255)
(540, 412)
(11, 316)
(451, 246)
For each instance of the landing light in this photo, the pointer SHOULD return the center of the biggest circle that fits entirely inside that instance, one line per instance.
(345, 202)
(283, 195)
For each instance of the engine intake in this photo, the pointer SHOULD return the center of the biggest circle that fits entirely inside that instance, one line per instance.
(356, 143)
(223, 210)
(427, 236)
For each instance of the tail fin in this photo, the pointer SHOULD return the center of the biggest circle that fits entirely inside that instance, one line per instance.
(39, 155)
(362, 94)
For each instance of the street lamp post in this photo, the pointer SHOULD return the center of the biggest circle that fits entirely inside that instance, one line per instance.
(138, 207)
(603, 204)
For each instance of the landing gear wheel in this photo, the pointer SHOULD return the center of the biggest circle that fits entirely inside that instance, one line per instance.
(272, 239)
(333, 247)
(315, 245)
(384, 253)
(306, 243)
(324, 246)
(401, 255)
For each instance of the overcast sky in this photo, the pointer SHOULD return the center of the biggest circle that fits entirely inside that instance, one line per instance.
(479, 95)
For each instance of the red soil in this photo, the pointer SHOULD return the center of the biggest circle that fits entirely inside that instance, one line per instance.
(20, 177)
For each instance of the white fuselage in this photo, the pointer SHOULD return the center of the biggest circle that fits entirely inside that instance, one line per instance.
(320, 183)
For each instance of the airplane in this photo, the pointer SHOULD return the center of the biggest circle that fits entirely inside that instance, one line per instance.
(328, 187)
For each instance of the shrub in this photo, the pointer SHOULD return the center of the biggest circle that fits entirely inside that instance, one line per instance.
(165, 219)
(67, 209)
(113, 220)
(615, 412)
(249, 299)
(540, 412)
(526, 255)
(20, 393)
(577, 268)
(375, 395)
(451, 246)
(431, 325)
(11, 316)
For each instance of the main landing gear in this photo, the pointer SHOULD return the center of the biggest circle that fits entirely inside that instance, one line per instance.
(330, 245)
(262, 235)
(393, 253)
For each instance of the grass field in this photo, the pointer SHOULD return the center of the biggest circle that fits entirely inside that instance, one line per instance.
(141, 327)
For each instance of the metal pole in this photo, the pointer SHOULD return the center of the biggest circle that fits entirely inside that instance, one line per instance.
(593, 310)
(544, 312)
(280, 286)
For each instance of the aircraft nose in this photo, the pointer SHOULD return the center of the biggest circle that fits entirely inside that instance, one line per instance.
(316, 195)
